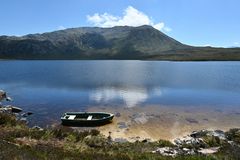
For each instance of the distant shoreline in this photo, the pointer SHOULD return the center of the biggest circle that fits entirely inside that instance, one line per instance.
(150, 60)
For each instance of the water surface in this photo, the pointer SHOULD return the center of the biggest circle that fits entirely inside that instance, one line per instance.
(49, 88)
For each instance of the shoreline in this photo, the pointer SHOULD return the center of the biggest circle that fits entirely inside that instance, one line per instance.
(57, 142)
(150, 60)
(164, 122)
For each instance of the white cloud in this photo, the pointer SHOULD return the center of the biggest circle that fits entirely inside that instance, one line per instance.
(159, 26)
(207, 45)
(131, 17)
(236, 43)
(210, 45)
(61, 28)
(217, 46)
(167, 29)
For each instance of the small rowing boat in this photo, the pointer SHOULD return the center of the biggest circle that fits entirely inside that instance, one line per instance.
(86, 118)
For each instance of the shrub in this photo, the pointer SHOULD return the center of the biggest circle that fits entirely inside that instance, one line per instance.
(95, 141)
(61, 132)
(7, 119)
(94, 132)
(36, 134)
(165, 143)
(212, 141)
(234, 135)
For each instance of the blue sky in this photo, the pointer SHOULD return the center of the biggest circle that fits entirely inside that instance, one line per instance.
(194, 22)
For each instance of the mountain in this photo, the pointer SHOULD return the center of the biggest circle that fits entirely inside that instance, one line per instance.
(122, 42)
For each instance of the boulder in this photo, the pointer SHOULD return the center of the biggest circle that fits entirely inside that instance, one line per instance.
(166, 151)
(208, 150)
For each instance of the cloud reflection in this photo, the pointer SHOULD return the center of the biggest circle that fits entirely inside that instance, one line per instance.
(131, 97)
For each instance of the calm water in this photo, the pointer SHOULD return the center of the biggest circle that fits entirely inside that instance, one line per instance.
(53, 87)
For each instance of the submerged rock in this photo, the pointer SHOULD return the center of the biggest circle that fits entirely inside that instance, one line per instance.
(122, 125)
(118, 114)
(191, 120)
(141, 118)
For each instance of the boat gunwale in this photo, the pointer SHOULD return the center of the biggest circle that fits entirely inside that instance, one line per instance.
(109, 116)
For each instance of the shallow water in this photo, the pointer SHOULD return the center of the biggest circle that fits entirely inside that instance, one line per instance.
(49, 88)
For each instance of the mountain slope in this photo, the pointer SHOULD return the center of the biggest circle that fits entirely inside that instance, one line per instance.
(120, 42)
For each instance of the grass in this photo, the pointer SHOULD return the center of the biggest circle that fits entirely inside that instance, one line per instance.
(17, 141)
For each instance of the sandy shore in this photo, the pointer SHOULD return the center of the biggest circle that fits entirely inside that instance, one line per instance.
(161, 122)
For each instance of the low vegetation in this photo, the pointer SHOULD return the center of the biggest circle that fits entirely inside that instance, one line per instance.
(18, 141)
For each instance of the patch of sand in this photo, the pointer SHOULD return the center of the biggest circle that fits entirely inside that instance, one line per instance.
(161, 122)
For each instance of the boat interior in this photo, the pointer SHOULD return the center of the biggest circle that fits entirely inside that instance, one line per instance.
(86, 116)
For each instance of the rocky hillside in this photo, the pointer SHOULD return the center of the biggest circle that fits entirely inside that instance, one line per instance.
(121, 42)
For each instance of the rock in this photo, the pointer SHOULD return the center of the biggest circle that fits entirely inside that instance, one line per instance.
(188, 140)
(23, 119)
(209, 150)
(16, 109)
(202, 133)
(192, 143)
(217, 133)
(3, 95)
(187, 151)
(166, 151)
(146, 140)
(199, 134)
(10, 109)
(37, 128)
(26, 114)
(5, 109)
(189, 145)
(120, 140)
(178, 141)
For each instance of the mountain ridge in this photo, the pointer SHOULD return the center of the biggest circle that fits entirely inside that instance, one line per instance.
(120, 42)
